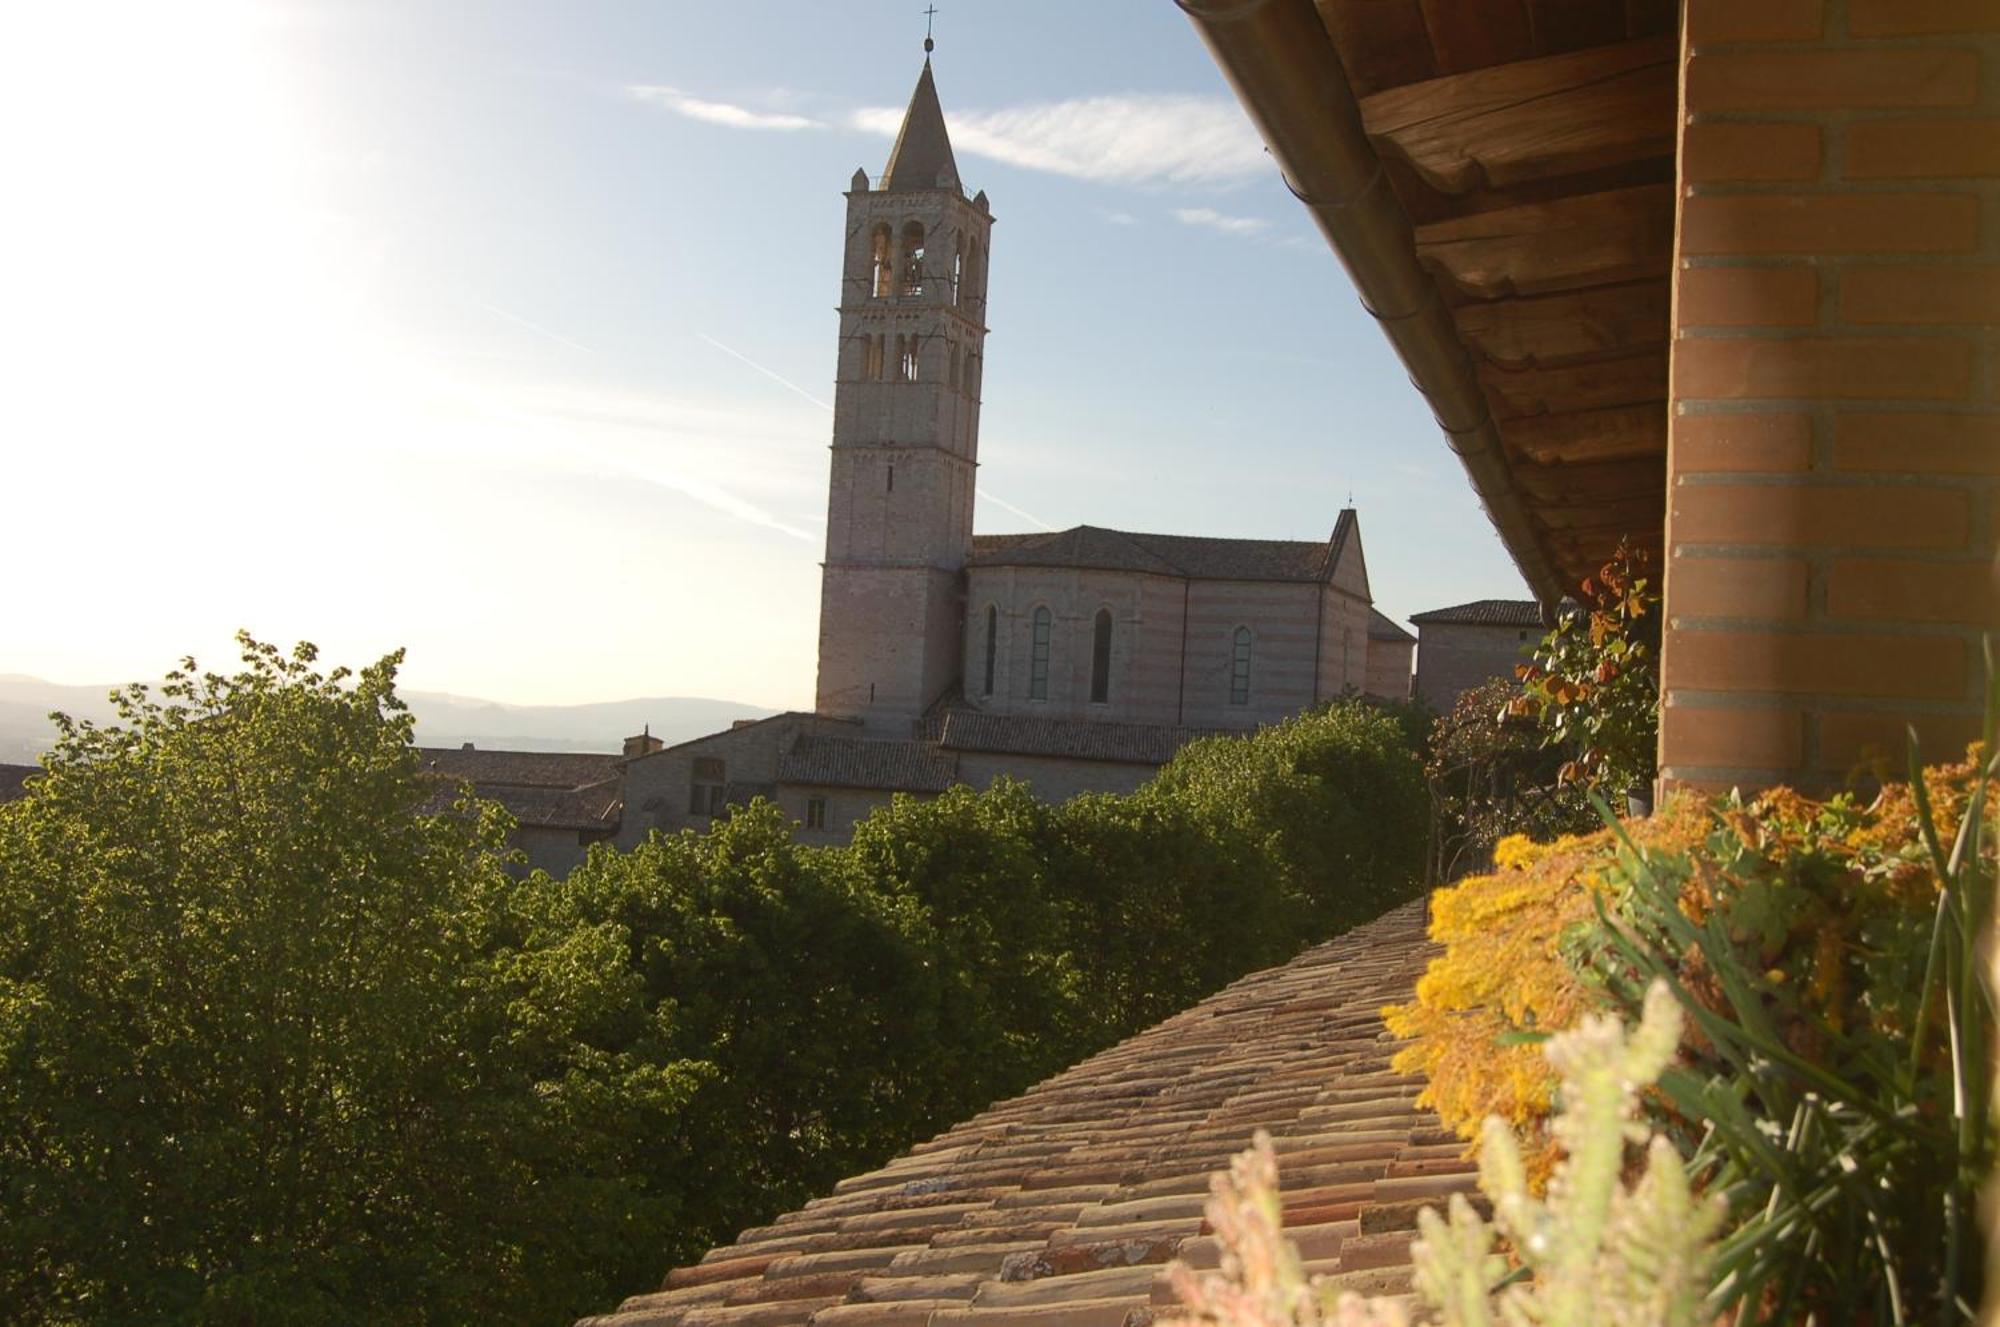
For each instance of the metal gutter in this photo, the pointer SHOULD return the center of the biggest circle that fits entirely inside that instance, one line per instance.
(1286, 72)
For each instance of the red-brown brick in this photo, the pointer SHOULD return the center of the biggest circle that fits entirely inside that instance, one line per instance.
(1743, 442)
(1764, 589)
(1725, 150)
(1917, 295)
(1771, 224)
(1910, 149)
(1910, 368)
(1831, 79)
(1857, 516)
(1917, 442)
(1914, 591)
(1749, 297)
(1816, 663)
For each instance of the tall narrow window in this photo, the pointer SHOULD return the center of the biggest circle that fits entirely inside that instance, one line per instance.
(913, 258)
(871, 367)
(883, 264)
(1038, 661)
(957, 271)
(707, 788)
(1100, 658)
(992, 645)
(815, 813)
(954, 368)
(906, 358)
(892, 477)
(1239, 669)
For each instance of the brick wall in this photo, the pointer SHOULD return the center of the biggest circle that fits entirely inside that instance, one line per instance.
(1835, 449)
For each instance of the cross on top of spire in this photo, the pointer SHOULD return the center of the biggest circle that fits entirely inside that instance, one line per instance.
(929, 14)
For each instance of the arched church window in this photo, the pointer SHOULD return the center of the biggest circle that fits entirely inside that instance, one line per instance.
(1100, 658)
(992, 645)
(913, 258)
(957, 270)
(883, 272)
(1239, 668)
(1038, 659)
(906, 358)
(975, 278)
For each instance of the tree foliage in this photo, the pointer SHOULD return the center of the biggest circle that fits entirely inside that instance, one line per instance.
(281, 1040)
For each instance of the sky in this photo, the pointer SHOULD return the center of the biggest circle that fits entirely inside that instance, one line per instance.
(503, 332)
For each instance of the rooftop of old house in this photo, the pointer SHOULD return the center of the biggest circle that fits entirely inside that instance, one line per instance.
(543, 789)
(1061, 1207)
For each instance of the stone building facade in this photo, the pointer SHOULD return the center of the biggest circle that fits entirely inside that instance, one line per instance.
(1077, 660)
(1461, 646)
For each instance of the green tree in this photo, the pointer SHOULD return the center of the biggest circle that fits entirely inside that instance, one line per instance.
(260, 1059)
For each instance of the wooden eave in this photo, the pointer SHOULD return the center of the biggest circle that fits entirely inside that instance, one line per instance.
(1531, 144)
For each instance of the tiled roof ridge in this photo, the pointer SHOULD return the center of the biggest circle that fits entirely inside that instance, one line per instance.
(1383, 627)
(1486, 612)
(1059, 1207)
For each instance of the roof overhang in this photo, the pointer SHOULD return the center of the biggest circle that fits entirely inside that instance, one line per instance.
(1498, 181)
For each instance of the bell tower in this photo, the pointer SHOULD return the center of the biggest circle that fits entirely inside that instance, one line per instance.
(905, 431)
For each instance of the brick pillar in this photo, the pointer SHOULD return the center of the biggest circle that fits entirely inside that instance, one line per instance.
(1834, 468)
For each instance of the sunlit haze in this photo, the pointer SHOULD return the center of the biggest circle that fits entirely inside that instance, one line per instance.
(503, 332)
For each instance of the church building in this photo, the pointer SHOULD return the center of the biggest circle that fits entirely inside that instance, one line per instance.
(1076, 660)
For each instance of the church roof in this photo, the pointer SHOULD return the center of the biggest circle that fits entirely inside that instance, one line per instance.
(1191, 557)
(1060, 1207)
(1485, 613)
(541, 789)
(1074, 739)
(923, 148)
(860, 762)
(1383, 627)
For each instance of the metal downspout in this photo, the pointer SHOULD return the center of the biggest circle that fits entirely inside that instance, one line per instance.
(1279, 58)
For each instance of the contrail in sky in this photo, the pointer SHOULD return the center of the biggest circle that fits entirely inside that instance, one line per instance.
(778, 378)
(557, 337)
(787, 382)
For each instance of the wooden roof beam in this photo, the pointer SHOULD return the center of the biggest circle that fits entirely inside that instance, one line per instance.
(1533, 119)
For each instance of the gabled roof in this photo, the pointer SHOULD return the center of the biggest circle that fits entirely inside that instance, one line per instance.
(1187, 557)
(1382, 627)
(860, 762)
(1485, 613)
(1060, 1207)
(922, 155)
(540, 789)
(1073, 739)
(524, 769)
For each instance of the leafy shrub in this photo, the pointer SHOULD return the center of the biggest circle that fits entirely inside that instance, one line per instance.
(1333, 799)
(1594, 685)
(1491, 775)
(1834, 1034)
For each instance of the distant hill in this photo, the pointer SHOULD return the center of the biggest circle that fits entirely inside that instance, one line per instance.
(442, 719)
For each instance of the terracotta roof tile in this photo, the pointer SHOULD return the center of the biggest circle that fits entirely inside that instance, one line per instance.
(1059, 1208)
(1194, 557)
(859, 762)
(966, 729)
(1486, 613)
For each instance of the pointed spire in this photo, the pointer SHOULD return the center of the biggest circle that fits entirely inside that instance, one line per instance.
(922, 155)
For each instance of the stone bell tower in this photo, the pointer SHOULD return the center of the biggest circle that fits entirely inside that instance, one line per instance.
(905, 431)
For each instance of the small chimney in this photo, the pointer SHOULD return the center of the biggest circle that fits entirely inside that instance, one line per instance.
(645, 744)
(467, 747)
(734, 724)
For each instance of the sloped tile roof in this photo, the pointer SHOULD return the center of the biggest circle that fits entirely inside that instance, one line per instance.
(543, 789)
(859, 762)
(1075, 739)
(525, 769)
(14, 780)
(1486, 613)
(1059, 1208)
(1184, 556)
(1383, 627)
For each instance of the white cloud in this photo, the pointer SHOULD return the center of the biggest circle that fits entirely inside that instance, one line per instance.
(1117, 218)
(1210, 219)
(719, 112)
(1120, 139)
